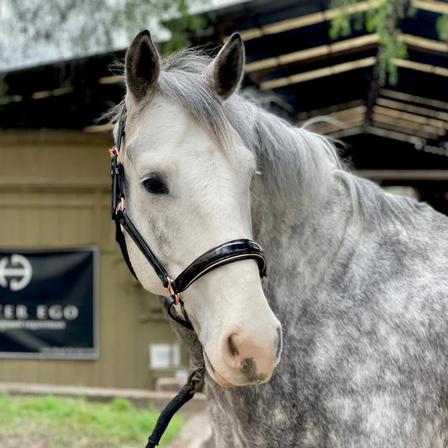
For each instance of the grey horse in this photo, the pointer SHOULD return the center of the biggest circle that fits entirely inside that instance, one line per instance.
(356, 277)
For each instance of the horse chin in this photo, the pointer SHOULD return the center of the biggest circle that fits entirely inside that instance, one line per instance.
(216, 376)
(222, 381)
(219, 379)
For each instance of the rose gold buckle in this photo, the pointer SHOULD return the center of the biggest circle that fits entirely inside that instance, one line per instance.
(120, 206)
(114, 152)
(171, 291)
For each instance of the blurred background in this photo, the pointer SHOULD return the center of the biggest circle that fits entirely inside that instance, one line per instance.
(370, 73)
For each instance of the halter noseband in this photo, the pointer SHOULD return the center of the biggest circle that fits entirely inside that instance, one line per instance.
(225, 253)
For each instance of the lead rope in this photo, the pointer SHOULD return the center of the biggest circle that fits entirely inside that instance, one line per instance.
(194, 383)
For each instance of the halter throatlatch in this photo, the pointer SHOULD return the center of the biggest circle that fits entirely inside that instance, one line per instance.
(225, 253)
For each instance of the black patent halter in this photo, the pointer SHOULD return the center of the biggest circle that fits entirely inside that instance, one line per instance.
(225, 253)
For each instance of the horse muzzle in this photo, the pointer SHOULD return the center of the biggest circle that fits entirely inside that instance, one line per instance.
(245, 360)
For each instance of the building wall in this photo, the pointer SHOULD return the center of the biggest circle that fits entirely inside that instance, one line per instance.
(55, 193)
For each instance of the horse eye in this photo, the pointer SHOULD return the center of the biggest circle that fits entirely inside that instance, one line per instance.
(155, 184)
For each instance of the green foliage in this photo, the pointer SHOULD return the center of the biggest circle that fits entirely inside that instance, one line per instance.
(77, 27)
(185, 25)
(176, 13)
(442, 27)
(385, 20)
(341, 26)
(66, 421)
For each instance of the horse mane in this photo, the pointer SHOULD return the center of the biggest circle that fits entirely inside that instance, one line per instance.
(295, 162)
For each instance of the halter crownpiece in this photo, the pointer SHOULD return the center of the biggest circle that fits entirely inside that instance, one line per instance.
(228, 252)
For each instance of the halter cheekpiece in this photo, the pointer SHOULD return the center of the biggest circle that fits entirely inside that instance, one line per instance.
(225, 253)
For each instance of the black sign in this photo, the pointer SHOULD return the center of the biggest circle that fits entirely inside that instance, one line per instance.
(48, 303)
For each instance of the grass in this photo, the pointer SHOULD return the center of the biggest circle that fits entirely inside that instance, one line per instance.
(75, 422)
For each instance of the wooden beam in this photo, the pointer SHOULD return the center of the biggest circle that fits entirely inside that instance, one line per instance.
(55, 92)
(359, 130)
(357, 111)
(314, 52)
(381, 132)
(112, 79)
(414, 99)
(418, 66)
(423, 43)
(107, 127)
(37, 95)
(433, 175)
(342, 112)
(319, 73)
(393, 134)
(429, 5)
(407, 116)
(403, 126)
(394, 127)
(336, 118)
(399, 105)
(328, 127)
(359, 42)
(424, 131)
(350, 117)
(333, 108)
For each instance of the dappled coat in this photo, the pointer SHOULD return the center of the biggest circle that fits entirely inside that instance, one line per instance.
(357, 278)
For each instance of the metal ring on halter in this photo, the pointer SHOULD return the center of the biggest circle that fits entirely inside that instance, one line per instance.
(113, 151)
(171, 291)
(120, 206)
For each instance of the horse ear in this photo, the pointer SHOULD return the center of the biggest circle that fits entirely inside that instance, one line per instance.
(142, 65)
(227, 69)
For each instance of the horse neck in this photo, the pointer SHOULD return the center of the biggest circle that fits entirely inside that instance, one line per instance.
(301, 235)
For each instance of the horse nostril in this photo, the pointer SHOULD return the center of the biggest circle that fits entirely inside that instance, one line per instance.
(233, 349)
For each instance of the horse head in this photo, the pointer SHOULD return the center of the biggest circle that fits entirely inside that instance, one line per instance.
(188, 190)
